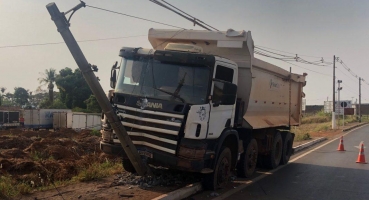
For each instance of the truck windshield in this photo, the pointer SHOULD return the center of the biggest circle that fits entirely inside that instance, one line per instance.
(174, 82)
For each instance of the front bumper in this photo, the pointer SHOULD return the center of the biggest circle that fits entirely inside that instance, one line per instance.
(163, 159)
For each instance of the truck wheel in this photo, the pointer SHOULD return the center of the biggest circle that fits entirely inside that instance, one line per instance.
(219, 178)
(274, 158)
(246, 166)
(127, 165)
(287, 148)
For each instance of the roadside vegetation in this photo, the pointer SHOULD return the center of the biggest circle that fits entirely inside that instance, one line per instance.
(319, 122)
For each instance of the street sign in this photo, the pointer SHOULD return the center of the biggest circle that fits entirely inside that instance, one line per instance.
(328, 106)
(342, 104)
(303, 105)
(349, 111)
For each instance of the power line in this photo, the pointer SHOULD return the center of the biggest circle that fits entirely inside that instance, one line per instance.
(308, 69)
(351, 90)
(288, 60)
(189, 15)
(350, 77)
(119, 13)
(53, 43)
(288, 52)
(194, 20)
(296, 58)
(351, 71)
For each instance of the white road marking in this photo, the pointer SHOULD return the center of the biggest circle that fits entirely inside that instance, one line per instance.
(265, 174)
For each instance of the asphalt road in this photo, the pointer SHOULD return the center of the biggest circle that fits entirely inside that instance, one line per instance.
(322, 173)
(319, 172)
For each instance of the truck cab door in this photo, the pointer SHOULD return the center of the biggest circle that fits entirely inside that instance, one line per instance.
(223, 98)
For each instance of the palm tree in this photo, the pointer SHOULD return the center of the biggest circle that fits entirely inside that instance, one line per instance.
(2, 89)
(48, 78)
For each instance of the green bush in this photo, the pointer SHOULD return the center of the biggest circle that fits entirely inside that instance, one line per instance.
(97, 171)
(10, 189)
(301, 137)
(95, 132)
(315, 119)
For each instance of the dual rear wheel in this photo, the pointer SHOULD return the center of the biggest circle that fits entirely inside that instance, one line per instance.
(280, 153)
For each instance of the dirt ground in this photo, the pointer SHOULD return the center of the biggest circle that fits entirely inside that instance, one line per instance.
(41, 158)
(103, 189)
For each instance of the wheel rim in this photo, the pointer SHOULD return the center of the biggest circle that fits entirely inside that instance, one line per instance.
(223, 171)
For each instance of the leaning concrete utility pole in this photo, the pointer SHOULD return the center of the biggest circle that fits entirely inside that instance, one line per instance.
(334, 94)
(62, 24)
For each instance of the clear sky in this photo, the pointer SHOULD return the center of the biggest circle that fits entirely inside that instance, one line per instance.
(321, 28)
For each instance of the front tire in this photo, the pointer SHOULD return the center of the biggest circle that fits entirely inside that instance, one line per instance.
(127, 165)
(246, 166)
(220, 177)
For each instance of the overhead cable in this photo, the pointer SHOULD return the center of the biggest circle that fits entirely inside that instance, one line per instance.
(119, 13)
(194, 20)
(190, 15)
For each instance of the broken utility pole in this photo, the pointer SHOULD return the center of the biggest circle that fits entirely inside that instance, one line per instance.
(62, 24)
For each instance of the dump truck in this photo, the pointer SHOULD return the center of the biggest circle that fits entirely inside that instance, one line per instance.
(200, 101)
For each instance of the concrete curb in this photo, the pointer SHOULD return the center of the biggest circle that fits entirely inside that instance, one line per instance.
(181, 193)
(352, 127)
(307, 145)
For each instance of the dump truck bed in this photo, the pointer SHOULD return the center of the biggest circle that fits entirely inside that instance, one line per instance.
(264, 87)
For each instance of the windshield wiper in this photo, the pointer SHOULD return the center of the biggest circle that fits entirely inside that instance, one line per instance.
(170, 93)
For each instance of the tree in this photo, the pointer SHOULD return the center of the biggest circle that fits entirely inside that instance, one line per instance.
(21, 96)
(2, 89)
(92, 104)
(73, 88)
(57, 104)
(48, 78)
(10, 97)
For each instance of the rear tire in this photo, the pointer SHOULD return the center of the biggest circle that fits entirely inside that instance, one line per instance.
(220, 177)
(127, 165)
(287, 148)
(246, 166)
(274, 158)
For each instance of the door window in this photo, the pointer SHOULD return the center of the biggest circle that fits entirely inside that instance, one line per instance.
(224, 74)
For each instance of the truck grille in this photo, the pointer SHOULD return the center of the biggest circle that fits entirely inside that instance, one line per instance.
(153, 129)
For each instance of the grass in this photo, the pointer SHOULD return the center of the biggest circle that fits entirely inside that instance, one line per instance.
(97, 171)
(95, 132)
(9, 188)
(315, 119)
(319, 122)
(36, 156)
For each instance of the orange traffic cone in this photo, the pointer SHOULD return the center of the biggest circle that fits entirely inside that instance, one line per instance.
(340, 145)
(361, 157)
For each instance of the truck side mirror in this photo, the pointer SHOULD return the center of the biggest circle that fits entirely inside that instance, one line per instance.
(113, 79)
(113, 75)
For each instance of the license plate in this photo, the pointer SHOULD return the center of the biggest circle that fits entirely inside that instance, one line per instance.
(145, 153)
